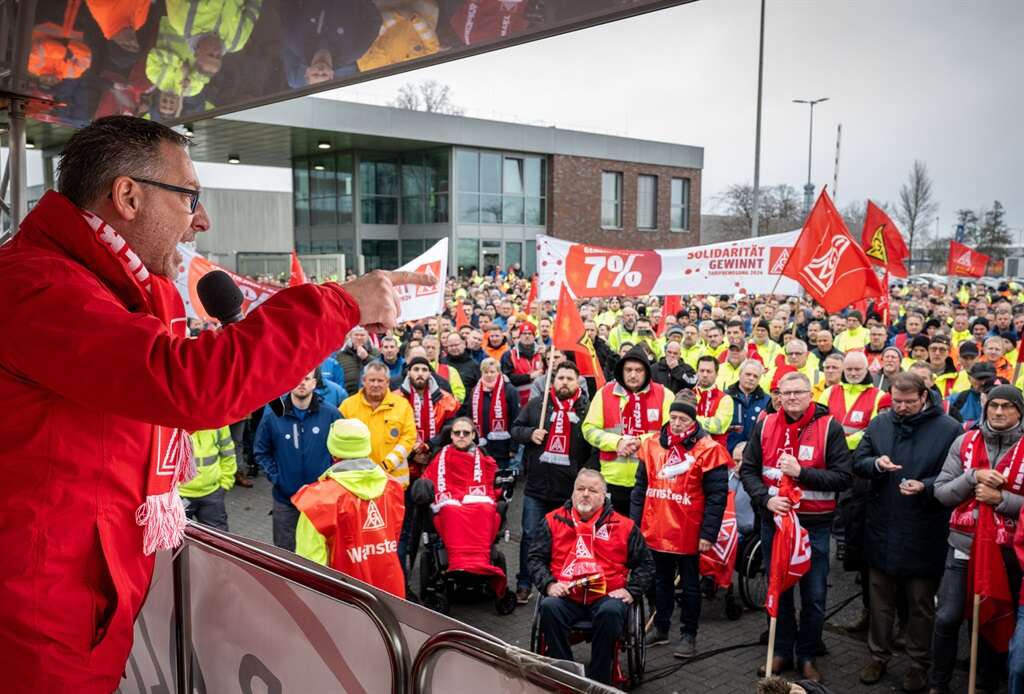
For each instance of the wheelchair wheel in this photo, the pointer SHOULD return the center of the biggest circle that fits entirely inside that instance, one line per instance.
(535, 640)
(438, 602)
(504, 604)
(635, 645)
(753, 579)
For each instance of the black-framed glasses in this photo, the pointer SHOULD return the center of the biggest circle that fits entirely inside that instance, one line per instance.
(193, 194)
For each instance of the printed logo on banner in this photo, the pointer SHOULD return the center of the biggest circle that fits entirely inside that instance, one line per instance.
(777, 257)
(434, 270)
(374, 520)
(821, 270)
(965, 259)
(877, 248)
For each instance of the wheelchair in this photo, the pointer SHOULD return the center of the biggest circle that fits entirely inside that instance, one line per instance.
(751, 573)
(631, 641)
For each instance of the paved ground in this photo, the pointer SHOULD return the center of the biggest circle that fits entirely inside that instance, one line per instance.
(725, 672)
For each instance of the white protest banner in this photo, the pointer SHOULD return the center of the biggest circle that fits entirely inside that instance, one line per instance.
(193, 266)
(424, 302)
(747, 266)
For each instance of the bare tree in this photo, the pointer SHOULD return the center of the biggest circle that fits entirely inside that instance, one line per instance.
(853, 214)
(916, 206)
(781, 207)
(430, 96)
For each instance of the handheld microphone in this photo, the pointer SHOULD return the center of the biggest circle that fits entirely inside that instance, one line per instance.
(222, 299)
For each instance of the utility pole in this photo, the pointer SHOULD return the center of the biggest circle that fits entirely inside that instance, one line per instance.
(756, 215)
(835, 171)
(809, 187)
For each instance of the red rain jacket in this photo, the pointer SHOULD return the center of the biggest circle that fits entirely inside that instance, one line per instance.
(82, 369)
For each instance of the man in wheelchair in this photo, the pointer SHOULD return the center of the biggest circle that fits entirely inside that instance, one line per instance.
(592, 564)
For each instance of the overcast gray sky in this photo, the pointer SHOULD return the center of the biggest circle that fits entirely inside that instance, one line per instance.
(937, 80)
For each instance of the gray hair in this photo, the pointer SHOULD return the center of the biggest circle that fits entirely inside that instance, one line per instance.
(591, 472)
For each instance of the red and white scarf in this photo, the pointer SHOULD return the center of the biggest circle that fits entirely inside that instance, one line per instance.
(161, 515)
(423, 411)
(556, 448)
(454, 488)
(633, 422)
(495, 426)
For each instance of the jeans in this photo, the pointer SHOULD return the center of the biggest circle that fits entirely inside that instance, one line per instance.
(1015, 659)
(534, 510)
(813, 593)
(666, 566)
(608, 616)
(949, 615)
(208, 510)
(285, 518)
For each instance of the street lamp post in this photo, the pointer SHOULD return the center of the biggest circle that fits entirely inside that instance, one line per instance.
(809, 187)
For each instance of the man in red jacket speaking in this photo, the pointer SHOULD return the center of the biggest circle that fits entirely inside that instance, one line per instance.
(92, 452)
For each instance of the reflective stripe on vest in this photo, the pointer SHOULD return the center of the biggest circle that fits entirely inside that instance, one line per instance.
(858, 416)
(809, 451)
(203, 461)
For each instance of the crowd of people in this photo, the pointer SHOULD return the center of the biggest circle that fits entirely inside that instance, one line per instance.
(895, 432)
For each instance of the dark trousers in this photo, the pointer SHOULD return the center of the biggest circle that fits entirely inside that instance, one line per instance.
(285, 518)
(666, 567)
(608, 616)
(1015, 661)
(886, 592)
(620, 498)
(813, 593)
(408, 532)
(208, 510)
(949, 615)
(534, 510)
(249, 440)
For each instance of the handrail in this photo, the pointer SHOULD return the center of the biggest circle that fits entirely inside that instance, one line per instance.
(532, 667)
(318, 580)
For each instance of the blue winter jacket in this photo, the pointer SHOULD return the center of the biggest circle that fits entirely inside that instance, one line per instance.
(331, 393)
(746, 409)
(293, 450)
(332, 371)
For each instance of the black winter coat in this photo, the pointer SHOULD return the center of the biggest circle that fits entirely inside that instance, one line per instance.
(682, 376)
(468, 368)
(499, 449)
(552, 483)
(906, 535)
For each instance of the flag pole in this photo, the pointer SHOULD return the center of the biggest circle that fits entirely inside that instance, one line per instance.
(771, 647)
(973, 676)
(547, 387)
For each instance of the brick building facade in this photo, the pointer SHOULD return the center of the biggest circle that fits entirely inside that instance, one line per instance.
(574, 212)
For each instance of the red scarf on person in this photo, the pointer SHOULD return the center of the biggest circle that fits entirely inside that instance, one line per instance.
(423, 413)
(634, 413)
(581, 570)
(556, 448)
(496, 428)
(161, 515)
(786, 436)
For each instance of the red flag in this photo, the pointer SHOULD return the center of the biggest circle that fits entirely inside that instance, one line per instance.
(720, 561)
(532, 296)
(297, 276)
(996, 614)
(828, 263)
(791, 550)
(461, 318)
(964, 261)
(883, 242)
(882, 305)
(569, 335)
(673, 303)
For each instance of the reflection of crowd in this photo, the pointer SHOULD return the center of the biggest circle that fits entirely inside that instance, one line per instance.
(171, 58)
(911, 428)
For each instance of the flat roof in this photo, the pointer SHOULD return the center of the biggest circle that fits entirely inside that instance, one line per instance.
(271, 135)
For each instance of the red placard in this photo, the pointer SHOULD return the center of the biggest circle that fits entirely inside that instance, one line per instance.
(597, 271)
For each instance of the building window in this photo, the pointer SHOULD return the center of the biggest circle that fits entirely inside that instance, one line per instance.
(380, 254)
(646, 202)
(411, 248)
(322, 189)
(611, 200)
(378, 191)
(680, 218)
(497, 189)
(425, 188)
(467, 255)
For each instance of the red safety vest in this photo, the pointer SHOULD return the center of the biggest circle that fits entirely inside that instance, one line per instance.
(362, 534)
(707, 406)
(857, 417)
(674, 505)
(602, 547)
(809, 449)
(443, 372)
(522, 365)
(974, 455)
(651, 411)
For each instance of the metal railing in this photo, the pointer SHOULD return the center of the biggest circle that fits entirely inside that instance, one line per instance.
(515, 661)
